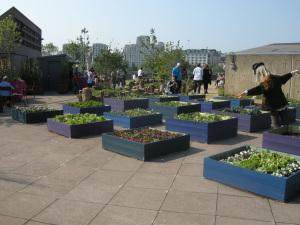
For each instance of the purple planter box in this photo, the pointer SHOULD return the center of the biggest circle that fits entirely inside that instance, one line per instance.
(279, 188)
(99, 110)
(187, 98)
(80, 130)
(274, 139)
(250, 123)
(203, 131)
(122, 105)
(209, 106)
(145, 151)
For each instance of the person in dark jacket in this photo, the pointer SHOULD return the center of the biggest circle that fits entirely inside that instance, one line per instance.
(270, 88)
(206, 77)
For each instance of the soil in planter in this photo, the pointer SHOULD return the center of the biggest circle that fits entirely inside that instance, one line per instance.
(296, 135)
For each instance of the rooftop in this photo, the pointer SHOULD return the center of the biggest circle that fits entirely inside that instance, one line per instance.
(273, 49)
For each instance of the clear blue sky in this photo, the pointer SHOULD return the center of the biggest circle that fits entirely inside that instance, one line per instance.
(227, 25)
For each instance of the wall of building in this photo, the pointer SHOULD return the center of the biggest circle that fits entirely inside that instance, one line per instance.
(243, 78)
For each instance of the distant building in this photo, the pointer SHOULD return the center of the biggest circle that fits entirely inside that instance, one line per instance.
(279, 58)
(97, 48)
(31, 34)
(202, 56)
(135, 53)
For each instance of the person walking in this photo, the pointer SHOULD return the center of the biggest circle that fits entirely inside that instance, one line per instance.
(206, 77)
(176, 73)
(271, 88)
(198, 78)
(140, 77)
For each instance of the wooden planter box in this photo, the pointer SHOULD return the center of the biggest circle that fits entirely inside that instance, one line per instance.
(80, 130)
(204, 132)
(36, 117)
(145, 151)
(153, 100)
(170, 111)
(122, 105)
(92, 110)
(250, 123)
(134, 122)
(274, 139)
(209, 106)
(187, 98)
(279, 188)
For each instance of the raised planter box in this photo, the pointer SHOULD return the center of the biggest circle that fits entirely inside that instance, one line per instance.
(187, 98)
(250, 123)
(279, 188)
(145, 151)
(171, 111)
(235, 102)
(209, 106)
(203, 131)
(122, 105)
(34, 117)
(153, 100)
(92, 110)
(80, 130)
(275, 139)
(134, 122)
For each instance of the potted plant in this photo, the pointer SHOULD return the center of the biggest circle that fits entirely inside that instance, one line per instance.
(283, 139)
(249, 120)
(122, 103)
(145, 143)
(204, 127)
(134, 118)
(79, 125)
(34, 114)
(174, 108)
(93, 107)
(258, 170)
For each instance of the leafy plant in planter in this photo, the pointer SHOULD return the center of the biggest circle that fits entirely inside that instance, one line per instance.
(34, 109)
(135, 112)
(86, 104)
(75, 119)
(146, 135)
(174, 103)
(264, 161)
(249, 111)
(202, 117)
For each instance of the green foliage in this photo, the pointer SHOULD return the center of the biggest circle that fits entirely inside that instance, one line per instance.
(174, 103)
(216, 69)
(294, 102)
(135, 112)
(221, 91)
(30, 72)
(262, 160)
(34, 109)
(72, 49)
(86, 104)
(106, 92)
(75, 119)
(202, 117)
(109, 61)
(241, 110)
(49, 49)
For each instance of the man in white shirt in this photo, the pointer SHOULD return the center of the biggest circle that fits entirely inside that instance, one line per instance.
(198, 78)
(140, 77)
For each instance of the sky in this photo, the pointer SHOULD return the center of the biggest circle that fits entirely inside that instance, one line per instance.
(226, 25)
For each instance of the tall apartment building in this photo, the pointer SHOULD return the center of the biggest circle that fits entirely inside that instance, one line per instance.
(202, 56)
(135, 53)
(31, 38)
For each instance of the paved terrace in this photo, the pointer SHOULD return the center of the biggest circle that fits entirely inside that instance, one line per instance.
(49, 179)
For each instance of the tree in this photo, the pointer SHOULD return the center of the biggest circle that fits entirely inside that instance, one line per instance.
(73, 50)
(83, 42)
(109, 61)
(49, 49)
(10, 38)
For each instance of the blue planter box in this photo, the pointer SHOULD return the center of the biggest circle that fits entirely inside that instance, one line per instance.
(241, 102)
(187, 98)
(204, 132)
(209, 106)
(279, 188)
(134, 122)
(145, 151)
(36, 117)
(122, 105)
(170, 111)
(80, 130)
(250, 123)
(274, 139)
(92, 110)
(153, 100)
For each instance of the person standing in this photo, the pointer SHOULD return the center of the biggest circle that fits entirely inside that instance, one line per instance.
(270, 87)
(113, 78)
(198, 78)
(140, 77)
(206, 77)
(176, 73)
